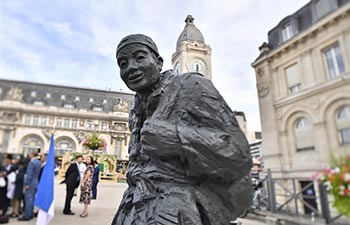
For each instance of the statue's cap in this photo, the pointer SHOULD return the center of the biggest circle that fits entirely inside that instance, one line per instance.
(137, 39)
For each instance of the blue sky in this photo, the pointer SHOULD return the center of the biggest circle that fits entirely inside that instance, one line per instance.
(73, 42)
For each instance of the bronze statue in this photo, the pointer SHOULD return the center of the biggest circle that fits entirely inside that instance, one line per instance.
(189, 160)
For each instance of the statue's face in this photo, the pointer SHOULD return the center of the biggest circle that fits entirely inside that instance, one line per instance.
(139, 68)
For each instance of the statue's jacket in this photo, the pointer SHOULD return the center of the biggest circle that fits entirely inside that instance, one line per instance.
(189, 160)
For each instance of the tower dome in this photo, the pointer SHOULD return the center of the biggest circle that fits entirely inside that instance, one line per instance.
(190, 32)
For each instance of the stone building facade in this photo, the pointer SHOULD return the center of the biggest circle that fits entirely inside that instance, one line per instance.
(30, 111)
(303, 83)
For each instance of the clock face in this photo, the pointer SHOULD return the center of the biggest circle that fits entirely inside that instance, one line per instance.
(196, 65)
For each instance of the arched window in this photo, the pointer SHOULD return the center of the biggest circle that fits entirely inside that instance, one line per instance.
(63, 145)
(303, 134)
(32, 144)
(343, 125)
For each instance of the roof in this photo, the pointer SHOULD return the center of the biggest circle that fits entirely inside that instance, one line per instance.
(190, 32)
(300, 21)
(81, 98)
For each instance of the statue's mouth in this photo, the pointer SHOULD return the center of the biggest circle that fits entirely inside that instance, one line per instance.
(135, 77)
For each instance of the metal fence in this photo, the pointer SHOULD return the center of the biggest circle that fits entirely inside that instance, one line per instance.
(297, 196)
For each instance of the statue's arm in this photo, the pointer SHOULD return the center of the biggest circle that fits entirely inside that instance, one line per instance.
(202, 133)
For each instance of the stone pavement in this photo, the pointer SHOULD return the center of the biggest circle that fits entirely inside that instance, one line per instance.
(101, 210)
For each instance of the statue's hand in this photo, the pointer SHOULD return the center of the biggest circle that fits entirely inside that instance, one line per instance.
(159, 138)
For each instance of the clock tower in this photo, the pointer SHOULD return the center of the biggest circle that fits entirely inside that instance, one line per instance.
(192, 54)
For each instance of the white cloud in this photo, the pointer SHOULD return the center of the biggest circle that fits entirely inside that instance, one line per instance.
(73, 42)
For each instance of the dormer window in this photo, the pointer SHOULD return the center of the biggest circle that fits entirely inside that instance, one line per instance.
(287, 32)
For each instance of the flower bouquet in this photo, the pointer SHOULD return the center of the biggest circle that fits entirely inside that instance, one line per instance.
(336, 179)
(94, 142)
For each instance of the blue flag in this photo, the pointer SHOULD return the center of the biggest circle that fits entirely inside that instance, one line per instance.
(45, 194)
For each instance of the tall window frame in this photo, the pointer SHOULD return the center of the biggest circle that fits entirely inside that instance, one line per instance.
(334, 60)
(342, 120)
(293, 78)
(303, 134)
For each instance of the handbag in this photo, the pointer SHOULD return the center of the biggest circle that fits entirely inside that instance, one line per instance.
(2, 182)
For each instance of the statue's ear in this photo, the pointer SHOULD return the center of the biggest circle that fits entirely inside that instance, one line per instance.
(160, 63)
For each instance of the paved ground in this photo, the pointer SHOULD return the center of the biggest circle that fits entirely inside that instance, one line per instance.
(101, 211)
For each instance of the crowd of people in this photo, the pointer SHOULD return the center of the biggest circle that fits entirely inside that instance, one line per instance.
(20, 177)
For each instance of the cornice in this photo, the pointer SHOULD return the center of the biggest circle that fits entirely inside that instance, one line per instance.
(312, 91)
(55, 111)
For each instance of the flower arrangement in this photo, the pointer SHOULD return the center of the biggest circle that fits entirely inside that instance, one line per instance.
(337, 182)
(94, 142)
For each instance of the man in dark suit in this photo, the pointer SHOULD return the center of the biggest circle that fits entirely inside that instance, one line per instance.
(72, 179)
(95, 179)
(30, 186)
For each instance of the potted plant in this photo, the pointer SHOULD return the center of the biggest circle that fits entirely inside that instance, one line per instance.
(94, 142)
(336, 179)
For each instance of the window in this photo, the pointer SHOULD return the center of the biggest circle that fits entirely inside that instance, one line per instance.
(74, 123)
(43, 121)
(293, 79)
(68, 106)
(118, 149)
(32, 144)
(58, 122)
(91, 100)
(27, 119)
(48, 95)
(343, 125)
(304, 134)
(334, 60)
(38, 103)
(33, 94)
(63, 97)
(104, 101)
(35, 120)
(77, 98)
(0, 91)
(63, 146)
(287, 32)
(104, 126)
(66, 123)
(97, 109)
(89, 125)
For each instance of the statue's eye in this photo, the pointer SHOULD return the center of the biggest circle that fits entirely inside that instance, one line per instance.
(140, 57)
(122, 64)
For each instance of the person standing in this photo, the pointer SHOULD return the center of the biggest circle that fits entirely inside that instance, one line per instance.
(3, 191)
(85, 194)
(30, 186)
(95, 180)
(72, 179)
(18, 196)
(43, 163)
